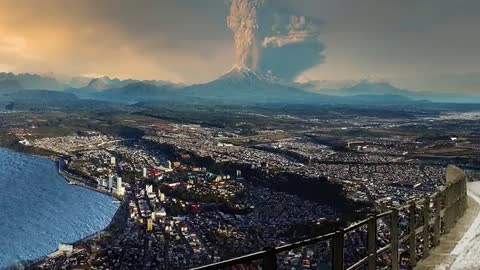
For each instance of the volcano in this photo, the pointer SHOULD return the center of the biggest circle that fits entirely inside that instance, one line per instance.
(243, 85)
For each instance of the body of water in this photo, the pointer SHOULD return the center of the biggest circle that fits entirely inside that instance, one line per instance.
(39, 210)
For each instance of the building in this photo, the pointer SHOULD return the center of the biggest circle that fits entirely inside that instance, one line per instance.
(113, 160)
(110, 183)
(149, 188)
(355, 145)
(65, 249)
(161, 195)
(120, 188)
(145, 172)
(149, 225)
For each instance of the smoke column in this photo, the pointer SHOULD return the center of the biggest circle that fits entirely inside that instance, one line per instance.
(270, 39)
(243, 22)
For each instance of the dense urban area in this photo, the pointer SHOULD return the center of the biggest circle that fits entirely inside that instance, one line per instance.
(193, 192)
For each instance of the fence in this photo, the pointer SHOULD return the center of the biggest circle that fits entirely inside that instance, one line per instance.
(427, 220)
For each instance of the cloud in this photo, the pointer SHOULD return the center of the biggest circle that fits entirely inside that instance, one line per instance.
(299, 30)
(272, 40)
(189, 40)
(292, 60)
(143, 39)
(291, 42)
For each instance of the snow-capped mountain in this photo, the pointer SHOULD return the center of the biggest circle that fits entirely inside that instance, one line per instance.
(245, 85)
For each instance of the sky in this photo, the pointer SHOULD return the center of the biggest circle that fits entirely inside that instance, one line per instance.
(428, 45)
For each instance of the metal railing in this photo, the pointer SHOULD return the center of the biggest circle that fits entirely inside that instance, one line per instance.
(427, 220)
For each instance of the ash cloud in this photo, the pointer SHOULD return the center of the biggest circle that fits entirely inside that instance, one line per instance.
(271, 39)
(298, 30)
(243, 22)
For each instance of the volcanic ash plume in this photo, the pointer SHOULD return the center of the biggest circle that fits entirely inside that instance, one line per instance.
(243, 22)
(297, 31)
(290, 46)
(271, 40)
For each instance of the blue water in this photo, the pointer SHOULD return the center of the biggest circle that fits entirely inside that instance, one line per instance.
(39, 210)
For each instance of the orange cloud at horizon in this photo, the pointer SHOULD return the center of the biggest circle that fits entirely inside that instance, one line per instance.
(73, 38)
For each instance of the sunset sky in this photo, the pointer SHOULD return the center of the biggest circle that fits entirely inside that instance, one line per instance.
(419, 44)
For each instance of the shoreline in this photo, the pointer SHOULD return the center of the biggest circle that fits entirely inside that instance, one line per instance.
(70, 179)
(75, 180)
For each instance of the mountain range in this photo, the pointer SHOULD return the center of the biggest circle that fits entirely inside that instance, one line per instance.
(33, 81)
(382, 87)
(239, 86)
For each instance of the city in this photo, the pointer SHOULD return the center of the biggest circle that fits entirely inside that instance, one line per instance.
(191, 194)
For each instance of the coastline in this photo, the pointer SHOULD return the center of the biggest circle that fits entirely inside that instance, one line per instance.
(108, 230)
(71, 179)
(76, 181)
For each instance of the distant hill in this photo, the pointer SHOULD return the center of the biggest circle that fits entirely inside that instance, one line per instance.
(326, 86)
(77, 82)
(104, 83)
(47, 100)
(137, 92)
(39, 95)
(372, 88)
(124, 91)
(10, 84)
(379, 99)
(33, 81)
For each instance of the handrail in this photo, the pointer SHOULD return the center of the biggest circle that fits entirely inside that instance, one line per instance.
(384, 214)
(356, 265)
(234, 261)
(449, 204)
(304, 242)
(356, 225)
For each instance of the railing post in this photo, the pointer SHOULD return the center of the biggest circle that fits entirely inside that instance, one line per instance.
(412, 238)
(449, 217)
(338, 246)
(426, 227)
(456, 209)
(464, 195)
(270, 259)
(372, 242)
(394, 239)
(437, 224)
